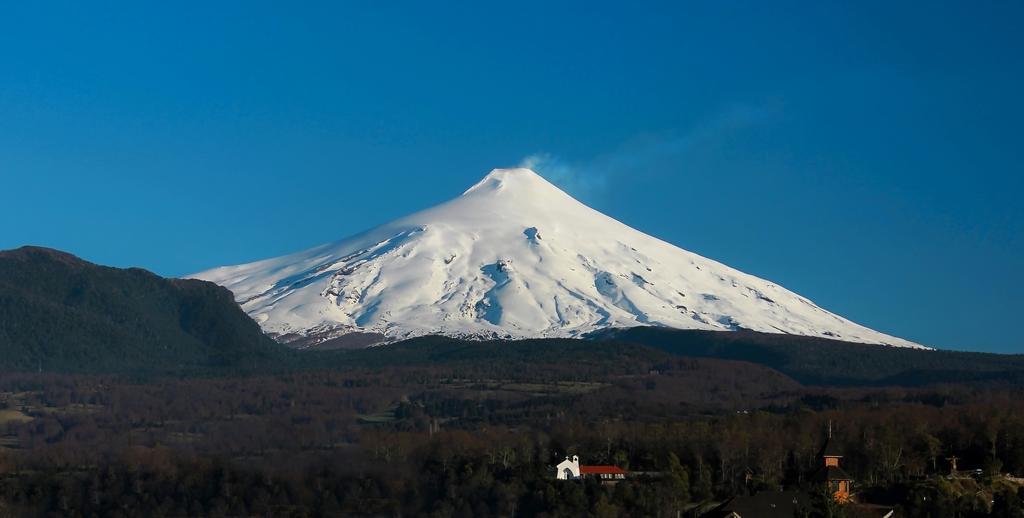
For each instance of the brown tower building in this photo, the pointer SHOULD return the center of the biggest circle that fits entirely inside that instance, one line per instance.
(830, 473)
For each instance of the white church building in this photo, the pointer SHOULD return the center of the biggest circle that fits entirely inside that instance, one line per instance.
(570, 469)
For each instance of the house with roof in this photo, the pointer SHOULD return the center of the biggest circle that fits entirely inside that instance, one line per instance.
(570, 469)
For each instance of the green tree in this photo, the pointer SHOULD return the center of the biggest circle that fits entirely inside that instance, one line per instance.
(677, 482)
(621, 459)
(702, 488)
(824, 504)
(605, 509)
(1008, 504)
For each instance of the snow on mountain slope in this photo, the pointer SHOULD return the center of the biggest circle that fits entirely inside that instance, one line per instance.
(514, 256)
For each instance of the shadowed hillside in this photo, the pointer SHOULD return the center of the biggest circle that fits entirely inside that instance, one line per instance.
(58, 312)
(822, 361)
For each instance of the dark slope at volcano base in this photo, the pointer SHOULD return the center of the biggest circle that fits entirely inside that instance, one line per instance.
(820, 361)
(809, 361)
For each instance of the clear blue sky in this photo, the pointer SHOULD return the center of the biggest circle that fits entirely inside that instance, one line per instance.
(867, 155)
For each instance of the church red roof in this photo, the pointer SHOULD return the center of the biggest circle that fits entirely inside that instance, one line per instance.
(601, 470)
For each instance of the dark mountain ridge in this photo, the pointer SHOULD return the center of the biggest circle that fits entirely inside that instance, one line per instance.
(59, 312)
(822, 361)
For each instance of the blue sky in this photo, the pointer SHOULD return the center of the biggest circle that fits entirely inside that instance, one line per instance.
(864, 154)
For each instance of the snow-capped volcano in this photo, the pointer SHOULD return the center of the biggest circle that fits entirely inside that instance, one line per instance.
(514, 256)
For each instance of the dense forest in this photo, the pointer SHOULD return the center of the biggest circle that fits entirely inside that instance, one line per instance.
(456, 432)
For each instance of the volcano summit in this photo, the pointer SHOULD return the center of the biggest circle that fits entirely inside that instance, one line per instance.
(514, 257)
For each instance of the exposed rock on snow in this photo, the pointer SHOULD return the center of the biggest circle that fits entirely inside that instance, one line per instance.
(478, 266)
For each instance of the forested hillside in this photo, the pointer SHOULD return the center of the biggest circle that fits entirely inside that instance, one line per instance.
(822, 361)
(60, 313)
